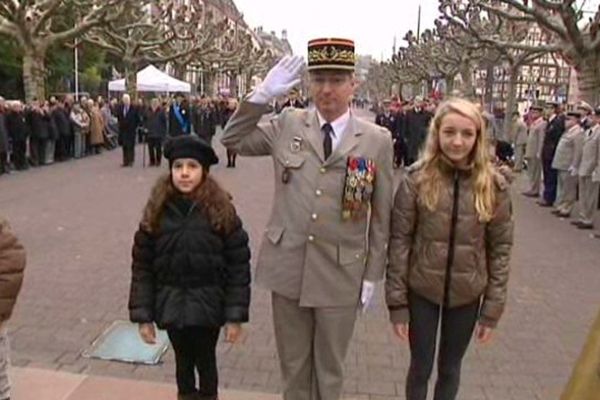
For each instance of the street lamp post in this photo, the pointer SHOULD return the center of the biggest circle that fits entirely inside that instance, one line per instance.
(76, 51)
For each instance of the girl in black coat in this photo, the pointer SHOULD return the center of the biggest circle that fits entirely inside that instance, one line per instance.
(191, 271)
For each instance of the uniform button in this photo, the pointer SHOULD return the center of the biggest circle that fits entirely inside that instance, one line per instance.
(311, 238)
(323, 170)
(314, 217)
(318, 192)
(357, 256)
(287, 162)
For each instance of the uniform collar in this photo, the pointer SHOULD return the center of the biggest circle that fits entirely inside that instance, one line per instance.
(339, 124)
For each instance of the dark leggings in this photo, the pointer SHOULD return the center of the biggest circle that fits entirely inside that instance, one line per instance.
(457, 328)
(195, 349)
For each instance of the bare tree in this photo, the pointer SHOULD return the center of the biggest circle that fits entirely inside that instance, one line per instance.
(37, 25)
(154, 31)
(562, 21)
(508, 37)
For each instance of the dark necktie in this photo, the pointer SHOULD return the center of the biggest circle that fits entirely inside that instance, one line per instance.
(327, 143)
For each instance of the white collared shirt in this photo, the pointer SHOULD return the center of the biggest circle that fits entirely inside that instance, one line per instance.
(339, 127)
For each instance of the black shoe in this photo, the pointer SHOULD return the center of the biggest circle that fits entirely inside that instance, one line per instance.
(585, 226)
(544, 204)
(563, 215)
(576, 223)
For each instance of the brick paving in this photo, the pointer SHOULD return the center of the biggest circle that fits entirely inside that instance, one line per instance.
(77, 221)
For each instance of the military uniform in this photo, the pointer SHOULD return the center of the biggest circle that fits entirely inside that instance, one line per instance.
(319, 245)
(519, 140)
(533, 155)
(564, 162)
(589, 176)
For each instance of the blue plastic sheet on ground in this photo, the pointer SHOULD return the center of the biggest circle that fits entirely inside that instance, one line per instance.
(121, 342)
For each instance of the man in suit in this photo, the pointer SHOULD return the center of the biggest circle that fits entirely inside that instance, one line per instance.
(533, 150)
(588, 170)
(564, 162)
(325, 245)
(129, 119)
(416, 123)
(554, 131)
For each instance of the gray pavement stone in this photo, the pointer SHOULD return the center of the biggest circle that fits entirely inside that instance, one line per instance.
(77, 221)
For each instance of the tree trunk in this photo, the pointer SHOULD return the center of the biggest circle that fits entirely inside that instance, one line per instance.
(489, 85)
(179, 70)
(34, 74)
(511, 100)
(588, 78)
(449, 85)
(466, 75)
(131, 81)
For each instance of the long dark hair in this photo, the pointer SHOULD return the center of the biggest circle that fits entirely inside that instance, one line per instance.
(212, 200)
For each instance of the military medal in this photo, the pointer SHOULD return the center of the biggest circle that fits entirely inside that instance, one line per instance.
(296, 144)
(358, 188)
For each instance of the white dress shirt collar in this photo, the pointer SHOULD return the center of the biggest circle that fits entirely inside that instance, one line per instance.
(339, 125)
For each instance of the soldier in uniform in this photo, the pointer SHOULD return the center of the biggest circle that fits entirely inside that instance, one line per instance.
(533, 150)
(324, 247)
(519, 140)
(588, 166)
(564, 162)
(554, 131)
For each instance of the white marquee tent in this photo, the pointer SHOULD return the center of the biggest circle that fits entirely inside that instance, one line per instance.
(151, 79)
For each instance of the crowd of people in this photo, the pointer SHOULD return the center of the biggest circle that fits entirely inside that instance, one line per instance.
(561, 150)
(39, 133)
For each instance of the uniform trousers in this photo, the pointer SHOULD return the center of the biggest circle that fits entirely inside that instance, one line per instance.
(195, 350)
(588, 199)
(457, 326)
(155, 150)
(18, 155)
(550, 182)
(312, 344)
(566, 195)
(534, 172)
(128, 155)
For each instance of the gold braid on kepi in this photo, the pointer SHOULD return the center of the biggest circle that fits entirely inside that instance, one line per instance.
(332, 53)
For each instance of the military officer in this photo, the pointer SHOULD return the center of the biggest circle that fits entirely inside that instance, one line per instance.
(564, 162)
(533, 151)
(588, 165)
(387, 119)
(519, 140)
(325, 243)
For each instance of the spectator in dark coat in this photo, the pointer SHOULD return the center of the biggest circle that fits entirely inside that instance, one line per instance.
(155, 123)
(63, 130)
(38, 124)
(129, 120)
(554, 131)
(205, 120)
(179, 117)
(416, 124)
(18, 131)
(3, 139)
(191, 266)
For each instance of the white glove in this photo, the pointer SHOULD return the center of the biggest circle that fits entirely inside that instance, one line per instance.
(280, 80)
(573, 171)
(366, 294)
(596, 176)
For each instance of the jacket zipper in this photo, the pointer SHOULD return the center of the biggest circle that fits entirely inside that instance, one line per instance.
(451, 240)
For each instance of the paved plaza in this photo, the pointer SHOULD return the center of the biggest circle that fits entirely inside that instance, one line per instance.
(77, 221)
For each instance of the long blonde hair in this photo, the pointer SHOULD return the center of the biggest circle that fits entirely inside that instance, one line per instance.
(429, 181)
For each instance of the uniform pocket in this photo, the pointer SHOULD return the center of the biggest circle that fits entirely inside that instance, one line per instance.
(348, 256)
(274, 234)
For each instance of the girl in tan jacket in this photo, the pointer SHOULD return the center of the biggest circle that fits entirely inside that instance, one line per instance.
(449, 249)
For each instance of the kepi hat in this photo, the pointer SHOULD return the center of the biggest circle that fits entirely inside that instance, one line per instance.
(331, 54)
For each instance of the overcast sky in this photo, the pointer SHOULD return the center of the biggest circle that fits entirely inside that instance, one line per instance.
(372, 24)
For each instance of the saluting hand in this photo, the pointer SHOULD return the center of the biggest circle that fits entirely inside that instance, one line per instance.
(281, 78)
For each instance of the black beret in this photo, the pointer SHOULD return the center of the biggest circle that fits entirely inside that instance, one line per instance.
(190, 146)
